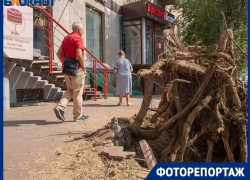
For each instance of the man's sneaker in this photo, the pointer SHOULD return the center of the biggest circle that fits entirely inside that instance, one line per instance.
(83, 118)
(59, 114)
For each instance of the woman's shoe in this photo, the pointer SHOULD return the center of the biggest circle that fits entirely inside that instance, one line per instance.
(119, 104)
(129, 104)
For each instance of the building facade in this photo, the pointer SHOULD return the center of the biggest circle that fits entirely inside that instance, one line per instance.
(107, 28)
(136, 26)
(131, 25)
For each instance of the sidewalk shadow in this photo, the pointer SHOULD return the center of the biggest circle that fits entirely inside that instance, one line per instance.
(37, 122)
(94, 105)
(72, 133)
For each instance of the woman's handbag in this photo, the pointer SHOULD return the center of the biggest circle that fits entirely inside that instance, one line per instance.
(70, 66)
(114, 82)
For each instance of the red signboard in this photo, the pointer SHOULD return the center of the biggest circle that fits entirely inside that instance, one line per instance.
(154, 11)
(159, 45)
(159, 13)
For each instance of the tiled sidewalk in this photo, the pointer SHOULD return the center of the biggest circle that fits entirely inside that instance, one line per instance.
(31, 130)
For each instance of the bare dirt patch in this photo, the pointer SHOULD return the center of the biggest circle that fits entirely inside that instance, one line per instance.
(83, 160)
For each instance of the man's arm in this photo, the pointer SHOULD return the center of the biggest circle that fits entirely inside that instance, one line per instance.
(80, 57)
(59, 54)
(131, 69)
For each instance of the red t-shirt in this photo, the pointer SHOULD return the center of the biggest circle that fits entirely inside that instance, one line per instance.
(70, 44)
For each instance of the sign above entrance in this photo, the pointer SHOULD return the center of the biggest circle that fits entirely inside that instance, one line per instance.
(150, 11)
(163, 15)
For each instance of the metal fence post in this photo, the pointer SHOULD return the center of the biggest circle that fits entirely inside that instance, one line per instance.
(94, 74)
(105, 84)
(49, 34)
(51, 45)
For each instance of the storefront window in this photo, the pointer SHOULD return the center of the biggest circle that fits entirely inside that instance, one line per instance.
(94, 32)
(132, 41)
(149, 39)
(40, 26)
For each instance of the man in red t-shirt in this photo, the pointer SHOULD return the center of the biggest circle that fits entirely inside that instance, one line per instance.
(72, 47)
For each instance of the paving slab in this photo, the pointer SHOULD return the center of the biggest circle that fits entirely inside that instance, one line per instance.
(148, 154)
(104, 134)
(117, 152)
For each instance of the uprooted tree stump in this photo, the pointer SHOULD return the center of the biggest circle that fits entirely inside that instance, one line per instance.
(204, 101)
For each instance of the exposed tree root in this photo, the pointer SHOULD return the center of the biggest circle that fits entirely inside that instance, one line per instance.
(167, 151)
(210, 149)
(192, 102)
(243, 143)
(225, 138)
(145, 105)
(237, 117)
(160, 110)
(190, 119)
(202, 106)
(202, 130)
(169, 113)
(218, 117)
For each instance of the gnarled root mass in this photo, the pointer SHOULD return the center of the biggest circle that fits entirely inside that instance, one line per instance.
(203, 110)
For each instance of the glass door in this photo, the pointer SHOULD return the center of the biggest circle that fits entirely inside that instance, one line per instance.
(132, 40)
(94, 32)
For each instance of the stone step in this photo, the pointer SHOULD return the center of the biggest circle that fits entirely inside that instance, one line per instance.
(89, 89)
(38, 62)
(32, 82)
(25, 69)
(99, 96)
(92, 92)
(41, 57)
(18, 79)
(47, 91)
(59, 95)
(11, 65)
(40, 84)
(54, 72)
(23, 75)
(19, 67)
(60, 77)
(53, 93)
(47, 67)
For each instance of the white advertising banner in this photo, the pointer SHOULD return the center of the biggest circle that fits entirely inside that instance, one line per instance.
(18, 32)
